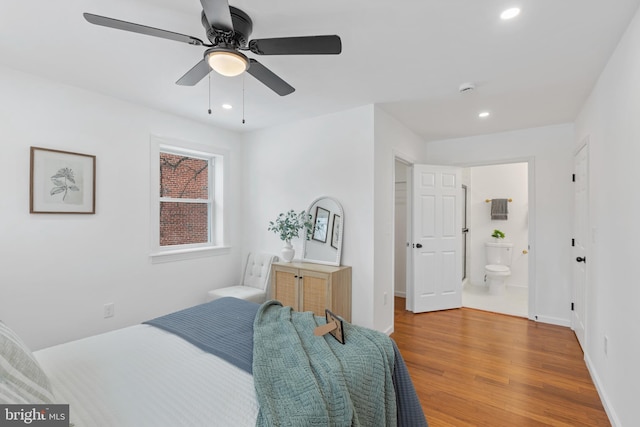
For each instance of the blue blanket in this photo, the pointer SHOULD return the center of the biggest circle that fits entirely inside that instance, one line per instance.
(225, 328)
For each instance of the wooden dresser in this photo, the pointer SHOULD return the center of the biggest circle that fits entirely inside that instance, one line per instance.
(312, 287)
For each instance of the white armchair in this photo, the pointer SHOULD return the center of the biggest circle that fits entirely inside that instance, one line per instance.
(255, 280)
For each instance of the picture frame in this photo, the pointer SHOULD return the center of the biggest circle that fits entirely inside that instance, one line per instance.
(335, 231)
(321, 225)
(338, 332)
(62, 182)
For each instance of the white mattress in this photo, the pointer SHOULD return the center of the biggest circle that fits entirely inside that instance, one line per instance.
(144, 376)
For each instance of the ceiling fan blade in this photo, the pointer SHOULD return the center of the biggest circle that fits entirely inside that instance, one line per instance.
(194, 75)
(269, 78)
(309, 45)
(141, 29)
(218, 14)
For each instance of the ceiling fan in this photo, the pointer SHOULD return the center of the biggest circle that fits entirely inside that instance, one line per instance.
(228, 29)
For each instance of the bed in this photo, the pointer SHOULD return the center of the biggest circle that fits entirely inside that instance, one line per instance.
(228, 362)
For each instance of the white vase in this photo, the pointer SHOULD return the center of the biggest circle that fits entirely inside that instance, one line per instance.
(287, 251)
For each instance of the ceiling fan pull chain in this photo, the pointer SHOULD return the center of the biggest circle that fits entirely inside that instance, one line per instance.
(243, 78)
(209, 93)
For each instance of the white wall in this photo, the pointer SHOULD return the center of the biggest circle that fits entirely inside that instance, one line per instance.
(498, 181)
(289, 166)
(59, 270)
(609, 119)
(392, 139)
(550, 151)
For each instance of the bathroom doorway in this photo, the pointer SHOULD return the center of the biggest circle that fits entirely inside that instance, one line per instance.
(481, 184)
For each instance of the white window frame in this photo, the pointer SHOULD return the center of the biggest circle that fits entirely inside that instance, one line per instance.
(218, 181)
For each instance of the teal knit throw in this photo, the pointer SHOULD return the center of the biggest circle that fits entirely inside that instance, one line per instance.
(305, 380)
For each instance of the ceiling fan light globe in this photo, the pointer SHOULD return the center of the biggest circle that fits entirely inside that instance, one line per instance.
(226, 63)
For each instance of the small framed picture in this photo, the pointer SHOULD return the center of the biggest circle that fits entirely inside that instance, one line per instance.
(321, 225)
(335, 231)
(62, 182)
(338, 332)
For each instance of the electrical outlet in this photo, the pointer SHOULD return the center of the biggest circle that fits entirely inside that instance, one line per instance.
(109, 310)
(606, 344)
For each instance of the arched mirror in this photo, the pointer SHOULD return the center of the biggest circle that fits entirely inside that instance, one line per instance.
(325, 244)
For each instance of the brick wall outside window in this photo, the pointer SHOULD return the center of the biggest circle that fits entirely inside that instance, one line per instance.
(183, 223)
(184, 177)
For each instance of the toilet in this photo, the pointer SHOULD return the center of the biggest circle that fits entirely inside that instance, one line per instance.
(497, 269)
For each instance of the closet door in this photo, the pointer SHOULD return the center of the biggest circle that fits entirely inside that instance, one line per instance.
(581, 242)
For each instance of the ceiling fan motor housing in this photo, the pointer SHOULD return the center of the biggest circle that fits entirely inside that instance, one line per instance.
(242, 28)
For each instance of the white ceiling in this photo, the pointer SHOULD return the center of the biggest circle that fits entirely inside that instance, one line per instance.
(410, 56)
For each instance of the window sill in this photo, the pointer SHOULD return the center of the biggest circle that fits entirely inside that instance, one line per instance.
(184, 254)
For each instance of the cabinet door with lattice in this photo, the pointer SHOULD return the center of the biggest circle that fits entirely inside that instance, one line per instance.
(285, 286)
(316, 291)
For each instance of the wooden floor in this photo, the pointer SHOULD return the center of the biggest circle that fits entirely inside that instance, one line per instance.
(475, 368)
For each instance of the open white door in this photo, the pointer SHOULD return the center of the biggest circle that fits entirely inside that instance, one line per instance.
(437, 239)
(580, 242)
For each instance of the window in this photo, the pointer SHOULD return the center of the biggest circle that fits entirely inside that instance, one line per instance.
(185, 199)
(187, 209)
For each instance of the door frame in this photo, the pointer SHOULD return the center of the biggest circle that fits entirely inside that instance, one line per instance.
(408, 162)
(530, 160)
(465, 231)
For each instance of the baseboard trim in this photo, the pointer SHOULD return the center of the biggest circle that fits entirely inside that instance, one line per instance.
(613, 418)
(400, 294)
(553, 320)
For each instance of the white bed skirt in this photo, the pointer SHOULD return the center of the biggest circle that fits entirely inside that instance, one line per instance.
(143, 376)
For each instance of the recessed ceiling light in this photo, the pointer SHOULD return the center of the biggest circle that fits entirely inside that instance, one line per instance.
(227, 106)
(484, 114)
(510, 13)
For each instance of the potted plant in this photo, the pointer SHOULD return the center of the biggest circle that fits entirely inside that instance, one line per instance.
(287, 226)
(497, 234)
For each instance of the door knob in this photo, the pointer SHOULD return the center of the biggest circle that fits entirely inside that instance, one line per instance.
(581, 259)
(418, 245)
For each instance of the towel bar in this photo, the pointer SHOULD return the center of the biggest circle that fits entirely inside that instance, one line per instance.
(489, 200)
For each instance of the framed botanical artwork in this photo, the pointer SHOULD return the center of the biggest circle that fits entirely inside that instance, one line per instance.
(335, 231)
(62, 182)
(321, 225)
